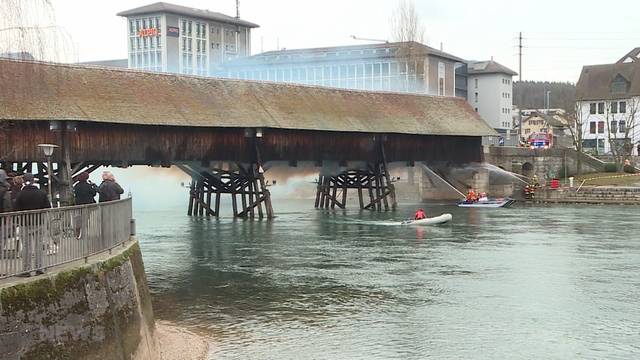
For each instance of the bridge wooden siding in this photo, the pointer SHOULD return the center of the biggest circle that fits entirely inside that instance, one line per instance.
(152, 145)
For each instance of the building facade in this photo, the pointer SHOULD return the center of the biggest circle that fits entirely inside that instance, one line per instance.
(171, 38)
(399, 67)
(490, 93)
(547, 122)
(608, 105)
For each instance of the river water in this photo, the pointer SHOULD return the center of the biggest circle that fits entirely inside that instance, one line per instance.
(521, 283)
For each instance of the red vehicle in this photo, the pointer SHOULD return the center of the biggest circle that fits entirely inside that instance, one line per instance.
(540, 141)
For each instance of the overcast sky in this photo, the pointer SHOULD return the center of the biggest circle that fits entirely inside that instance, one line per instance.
(560, 36)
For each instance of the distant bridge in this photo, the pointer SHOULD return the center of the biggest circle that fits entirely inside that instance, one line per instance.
(122, 118)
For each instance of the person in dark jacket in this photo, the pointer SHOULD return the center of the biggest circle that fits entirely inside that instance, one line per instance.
(16, 185)
(85, 191)
(5, 193)
(109, 190)
(30, 197)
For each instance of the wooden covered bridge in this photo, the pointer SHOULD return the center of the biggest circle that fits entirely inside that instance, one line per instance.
(112, 117)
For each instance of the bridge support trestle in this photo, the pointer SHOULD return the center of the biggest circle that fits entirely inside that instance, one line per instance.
(373, 184)
(250, 197)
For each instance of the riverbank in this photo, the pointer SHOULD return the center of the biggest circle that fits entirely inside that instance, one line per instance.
(612, 195)
(178, 343)
(607, 179)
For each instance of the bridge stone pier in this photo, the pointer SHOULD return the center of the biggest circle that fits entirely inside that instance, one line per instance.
(224, 133)
(543, 163)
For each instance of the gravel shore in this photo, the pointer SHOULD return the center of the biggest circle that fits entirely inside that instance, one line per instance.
(177, 343)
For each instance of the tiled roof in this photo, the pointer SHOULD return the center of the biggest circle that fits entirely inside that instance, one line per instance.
(44, 91)
(489, 67)
(162, 7)
(595, 81)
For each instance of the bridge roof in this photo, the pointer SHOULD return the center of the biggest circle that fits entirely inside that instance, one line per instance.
(44, 91)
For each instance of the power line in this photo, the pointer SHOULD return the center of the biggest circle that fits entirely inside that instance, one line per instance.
(579, 47)
(582, 39)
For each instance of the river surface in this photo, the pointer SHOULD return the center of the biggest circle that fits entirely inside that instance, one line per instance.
(521, 283)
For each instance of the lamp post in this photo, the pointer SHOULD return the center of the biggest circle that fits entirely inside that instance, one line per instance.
(546, 94)
(47, 149)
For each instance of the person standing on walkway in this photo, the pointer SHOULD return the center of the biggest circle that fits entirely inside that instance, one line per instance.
(16, 186)
(5, 193)
(30, 197)
(85, 191)
(109, 190)
(32, 226)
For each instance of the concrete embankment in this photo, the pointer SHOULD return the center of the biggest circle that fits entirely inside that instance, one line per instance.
(617, 195)
(99, 310)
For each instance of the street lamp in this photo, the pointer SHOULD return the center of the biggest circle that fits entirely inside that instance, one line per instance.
(47, 149)
(547, 93)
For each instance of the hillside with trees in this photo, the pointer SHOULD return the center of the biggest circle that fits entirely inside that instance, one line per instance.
(531, 95)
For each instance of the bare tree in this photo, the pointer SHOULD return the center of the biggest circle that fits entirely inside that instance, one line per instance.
(621, 122)
(28, 31)
(578, 120)
(405, 23)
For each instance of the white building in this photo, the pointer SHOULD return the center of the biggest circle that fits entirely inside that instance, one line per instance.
(402, 67)
(490, 93)
(608, 99)
(173, 38)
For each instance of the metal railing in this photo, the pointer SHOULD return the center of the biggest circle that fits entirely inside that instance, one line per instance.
(32, 241)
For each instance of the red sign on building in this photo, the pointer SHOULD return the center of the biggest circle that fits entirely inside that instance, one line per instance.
(148, 32)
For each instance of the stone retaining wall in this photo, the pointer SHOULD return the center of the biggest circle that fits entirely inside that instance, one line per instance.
(592, 195)
(97, 311)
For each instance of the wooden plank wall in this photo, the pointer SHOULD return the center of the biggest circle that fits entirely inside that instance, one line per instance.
(135, 144)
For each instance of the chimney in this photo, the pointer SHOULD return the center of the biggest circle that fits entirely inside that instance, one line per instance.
(237, 9)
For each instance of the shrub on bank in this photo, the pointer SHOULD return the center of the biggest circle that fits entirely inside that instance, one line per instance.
(610, 167)
(629, 169)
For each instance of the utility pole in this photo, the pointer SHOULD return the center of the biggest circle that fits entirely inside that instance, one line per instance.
(520, 57)
(520, 81)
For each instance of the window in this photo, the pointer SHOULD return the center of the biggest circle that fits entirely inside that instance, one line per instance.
(592, 108)
(145, 43)
(441, 76)
(202, 65)
(614, 107)
(476, 109)
(622, 126)
(476, 82)
(622, 107)
(592, 127)
(614, 127)
(600, 108)
(230, 41)
(600, 127)
(194, 52)
(476, 97)
(619, 85)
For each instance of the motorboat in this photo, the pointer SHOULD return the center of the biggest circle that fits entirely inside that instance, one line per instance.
(489, 203)
(437, 220)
